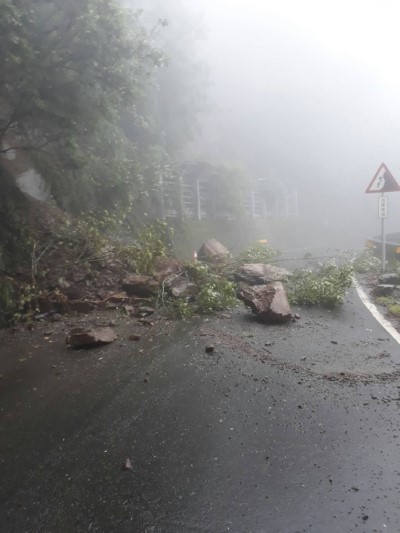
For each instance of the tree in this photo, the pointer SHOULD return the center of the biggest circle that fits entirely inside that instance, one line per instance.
(179, 95)
(70, 69)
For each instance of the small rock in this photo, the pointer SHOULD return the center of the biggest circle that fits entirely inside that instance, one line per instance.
(127, 465)
(146, 380)
(145, 322)
(40, 317)
(145, 311)
(134, 337)
(179, 286)
(89, 338)
(81, 307)
(111, 306)
(209, 348)
(118, 297)
(334, 342)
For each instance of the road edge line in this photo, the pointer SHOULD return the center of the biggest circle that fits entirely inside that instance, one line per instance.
(375, 313)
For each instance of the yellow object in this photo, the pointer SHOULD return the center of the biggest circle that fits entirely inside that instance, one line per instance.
(263, 241)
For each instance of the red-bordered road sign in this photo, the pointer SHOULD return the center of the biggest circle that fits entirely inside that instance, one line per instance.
(383, 181)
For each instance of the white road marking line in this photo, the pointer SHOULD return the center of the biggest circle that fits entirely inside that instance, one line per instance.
(375, 313)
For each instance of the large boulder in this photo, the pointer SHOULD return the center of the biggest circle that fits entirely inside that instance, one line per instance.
(212, 251)
(140, 285)
(165, 267)
(260, 274)
(383, 290)
(389, 278)
(268, 302)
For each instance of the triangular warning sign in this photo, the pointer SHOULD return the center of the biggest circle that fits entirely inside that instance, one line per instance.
(383, 181)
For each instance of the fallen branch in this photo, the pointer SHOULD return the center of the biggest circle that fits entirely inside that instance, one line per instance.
(99, 302)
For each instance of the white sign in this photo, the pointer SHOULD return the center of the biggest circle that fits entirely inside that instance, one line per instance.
(383, 207)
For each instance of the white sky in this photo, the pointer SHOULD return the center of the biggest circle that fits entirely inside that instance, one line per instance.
(364, 31)
(337, 61)
(309, 88)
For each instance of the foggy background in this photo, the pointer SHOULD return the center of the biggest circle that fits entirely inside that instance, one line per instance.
(307, 92)
(303, 92)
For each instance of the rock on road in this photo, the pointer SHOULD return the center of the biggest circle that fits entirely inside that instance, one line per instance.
(285, 428)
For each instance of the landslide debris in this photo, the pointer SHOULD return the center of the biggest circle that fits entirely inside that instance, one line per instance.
(76, 266)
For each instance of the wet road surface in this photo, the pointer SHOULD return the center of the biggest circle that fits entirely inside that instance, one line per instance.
(281, 429)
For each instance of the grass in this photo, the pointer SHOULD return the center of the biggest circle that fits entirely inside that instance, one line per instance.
(395, 309)
(384, 300)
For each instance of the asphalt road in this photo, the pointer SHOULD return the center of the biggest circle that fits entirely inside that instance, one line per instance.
(281, 429)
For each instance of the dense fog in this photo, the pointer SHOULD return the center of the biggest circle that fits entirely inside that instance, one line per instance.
(302, 92)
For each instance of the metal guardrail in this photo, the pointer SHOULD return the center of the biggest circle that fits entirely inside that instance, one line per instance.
(195, 199)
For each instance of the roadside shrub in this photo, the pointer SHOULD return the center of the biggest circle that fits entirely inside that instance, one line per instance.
(366, 262)
(384, 300)
(198, 273)
(326, 285)
(152, 243)
(394, 309)
(94, 238)
(217, 294)
(17, 301)
(212, 291)
(258, 253)
(179, 308)
(8, 302)
(209, 292)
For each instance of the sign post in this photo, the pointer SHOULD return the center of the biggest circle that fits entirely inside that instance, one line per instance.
(382, 182)
(383, 213)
